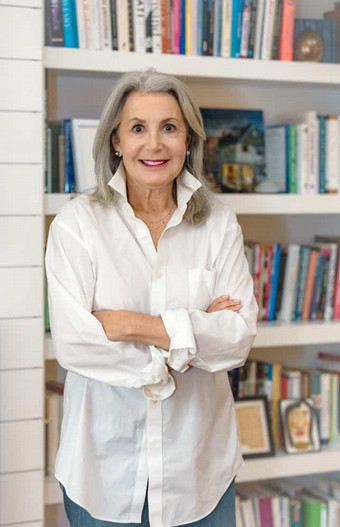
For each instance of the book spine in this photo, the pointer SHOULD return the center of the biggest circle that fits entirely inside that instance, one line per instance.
(69, 166)
(275, 281)
(123, 25)
(302, 279)
(205, 26)
(93, 30)
(189, 50)
(236, 28)
(325, 407)
(329, 302)
(226, 28)
(164, 16)
(211, 17)
(324, 280)
(130, 26)
(138, 25)
(322, 154)
(336, 315)
(199, 26)
(332, 165)
(182, 37)
(70, 23)
(105, 24)
(245, 28)
(176, 26)
(313, 260)
(81, 24)
(258, 30)
(316, 288)
(277, 29)
(268, 281)
(286, 46)
(169, 34)
(54, 24)
(313, 150)
(252, 28)
(61, 163)
(292, 159)
(290, 283)
(268, 29)
(302, 158)
(217, 31)
(114, 25)
(148, 25)
(156, 26)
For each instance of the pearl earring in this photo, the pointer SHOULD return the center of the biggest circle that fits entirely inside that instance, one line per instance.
(118, 154)
(188, 152)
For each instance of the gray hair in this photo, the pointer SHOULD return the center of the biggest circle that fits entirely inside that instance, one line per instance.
(106, 162)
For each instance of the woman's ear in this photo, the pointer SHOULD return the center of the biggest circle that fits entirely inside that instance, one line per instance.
(115, 141)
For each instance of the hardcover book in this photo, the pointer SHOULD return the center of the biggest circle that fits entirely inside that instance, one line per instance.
(235, 160)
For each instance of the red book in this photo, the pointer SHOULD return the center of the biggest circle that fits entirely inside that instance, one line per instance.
(268, 280)
(286, 45)
(313, 260)
(265, 508)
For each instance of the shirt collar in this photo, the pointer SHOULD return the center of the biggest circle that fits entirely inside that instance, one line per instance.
(187, 184)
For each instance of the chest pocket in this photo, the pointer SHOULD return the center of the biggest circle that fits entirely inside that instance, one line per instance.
(201, 288)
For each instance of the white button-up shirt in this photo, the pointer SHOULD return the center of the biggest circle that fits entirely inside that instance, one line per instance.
(127, 420)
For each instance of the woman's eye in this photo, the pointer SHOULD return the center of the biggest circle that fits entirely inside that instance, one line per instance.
(138, 128)
(169, 128)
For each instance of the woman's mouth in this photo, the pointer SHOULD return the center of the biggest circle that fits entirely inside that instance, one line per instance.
(153, 162)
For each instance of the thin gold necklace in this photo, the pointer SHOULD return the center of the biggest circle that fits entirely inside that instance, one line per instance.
(163, 220)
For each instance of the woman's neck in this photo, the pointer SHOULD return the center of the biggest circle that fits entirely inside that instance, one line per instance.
(151, 201)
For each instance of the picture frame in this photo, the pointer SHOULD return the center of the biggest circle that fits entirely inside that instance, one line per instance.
(83, 133)
(299, 426)
(254, 426)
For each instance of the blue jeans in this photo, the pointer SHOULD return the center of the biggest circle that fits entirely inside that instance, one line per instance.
(222, 516)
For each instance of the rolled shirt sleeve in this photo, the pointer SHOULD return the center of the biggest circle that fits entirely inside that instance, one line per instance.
(79, 340)
(220, 340)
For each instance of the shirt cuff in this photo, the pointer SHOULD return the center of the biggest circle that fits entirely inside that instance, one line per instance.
(159, 384)
(182, 339)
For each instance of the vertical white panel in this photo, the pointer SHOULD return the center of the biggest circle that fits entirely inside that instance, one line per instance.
(21, 292)
(21, 343)
(22, 446)
(21, 189)
(21, 240)
(21, 394)
(21, 86)
(21, 497)
(21, 35)
(21, 137)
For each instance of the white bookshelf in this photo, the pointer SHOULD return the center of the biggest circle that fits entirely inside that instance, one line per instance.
(283, 90)
(207, 68)
(253, 204)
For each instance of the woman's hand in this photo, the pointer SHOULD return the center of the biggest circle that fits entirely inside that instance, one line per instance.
(224, 302)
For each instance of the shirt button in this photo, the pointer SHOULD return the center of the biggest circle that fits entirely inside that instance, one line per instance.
(159, 274)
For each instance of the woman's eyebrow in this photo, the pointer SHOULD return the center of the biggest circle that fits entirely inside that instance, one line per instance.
(143, 120)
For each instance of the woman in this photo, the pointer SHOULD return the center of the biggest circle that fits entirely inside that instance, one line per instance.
(138, 275)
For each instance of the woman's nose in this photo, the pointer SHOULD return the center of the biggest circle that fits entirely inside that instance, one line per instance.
(153, 141)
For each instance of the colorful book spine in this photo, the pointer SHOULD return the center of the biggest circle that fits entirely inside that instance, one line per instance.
(54, 31)
(164, 16)
(236, 28)
(322, 154)
(286, 46)
(292, 159)
(176, 26)
(182, 28)
(199, 25)
(274, 281)
(226, 28)
(302, 279)
(252, 28)
(70, 23)
(188, 27)
(316, 288)
(69, 165)
(246, 14)
(313, 261)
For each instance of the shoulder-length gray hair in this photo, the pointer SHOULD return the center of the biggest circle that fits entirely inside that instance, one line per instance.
(106, 162)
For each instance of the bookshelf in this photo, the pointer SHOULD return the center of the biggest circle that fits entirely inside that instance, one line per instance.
(228, 83)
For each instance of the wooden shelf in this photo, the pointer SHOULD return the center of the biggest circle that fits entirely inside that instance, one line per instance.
(247, 203)
(52, 491)
(274, 334)
(207, 68)
(283, 465)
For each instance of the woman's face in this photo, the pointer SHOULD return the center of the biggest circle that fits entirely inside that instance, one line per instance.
(152, 139)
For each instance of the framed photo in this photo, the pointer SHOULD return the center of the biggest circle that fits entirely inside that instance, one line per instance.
(83, 132)
(254, 428)
(299, 426)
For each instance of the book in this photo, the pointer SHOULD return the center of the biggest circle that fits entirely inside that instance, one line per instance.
(82, 41)
(235, 160)
(236, 28)
(226, 28)
(246, 13)
(70, 23)
(287, 309)
(334, 15)
(114, 28)
(123, 26)
(138, 25)
(156, 23)
(286, 45)
(276, 155)
(302, 157)
(258, 28)
(105, 24)
(148, 26)
(268, 29)
(54, 30)
(312, 122)
(332, 163)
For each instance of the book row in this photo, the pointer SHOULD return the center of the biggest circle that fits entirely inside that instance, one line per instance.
(260, 29)
(304, 158)
(318, 386)
(286, 503)
(297, 281)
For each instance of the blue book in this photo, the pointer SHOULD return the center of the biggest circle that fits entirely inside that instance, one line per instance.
(69, 166)
(217, 40)
(199, 27)
(327, 32)
(274, 281)
(182, 35)
(316, 288)
(301, 282)
(70, 23)
(322, 154)
(295, 513)
(236, 28)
